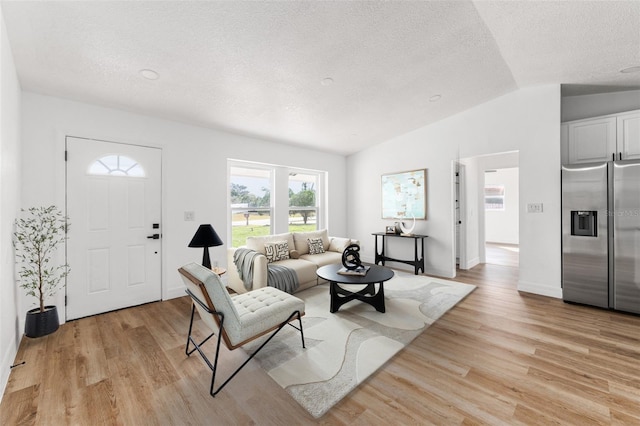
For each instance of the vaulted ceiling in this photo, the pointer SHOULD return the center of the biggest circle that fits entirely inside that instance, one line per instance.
(333, 75)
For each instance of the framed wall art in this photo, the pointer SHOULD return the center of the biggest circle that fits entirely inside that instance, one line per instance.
(404, 195)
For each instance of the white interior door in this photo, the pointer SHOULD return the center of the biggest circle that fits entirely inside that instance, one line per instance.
(114, 208)
(460, 216)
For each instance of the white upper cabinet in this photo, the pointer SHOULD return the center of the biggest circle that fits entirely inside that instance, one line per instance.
(628, 135)
(605, 138)
(592, 140)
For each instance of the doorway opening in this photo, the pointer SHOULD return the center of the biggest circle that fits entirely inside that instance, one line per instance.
(486, 210)
(501, 216)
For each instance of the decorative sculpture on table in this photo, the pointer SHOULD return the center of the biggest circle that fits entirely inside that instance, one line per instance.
(351, 257)
(408, 231)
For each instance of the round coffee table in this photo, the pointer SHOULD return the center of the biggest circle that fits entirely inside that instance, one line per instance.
(340, 295)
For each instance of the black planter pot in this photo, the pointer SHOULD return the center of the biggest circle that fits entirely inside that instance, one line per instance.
(40, 324)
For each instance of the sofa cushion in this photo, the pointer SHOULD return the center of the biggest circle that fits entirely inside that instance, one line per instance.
(315, 245)
(322, 259)
(306, 271)
(262, 309)
(277, 250)
(301, 243)
(257, 243)
(339, 244)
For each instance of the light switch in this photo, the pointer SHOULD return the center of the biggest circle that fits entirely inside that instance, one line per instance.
(534, 208)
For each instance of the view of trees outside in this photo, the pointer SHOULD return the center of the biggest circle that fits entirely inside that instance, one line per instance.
(240, 195)
(250, 193)
(302, 200)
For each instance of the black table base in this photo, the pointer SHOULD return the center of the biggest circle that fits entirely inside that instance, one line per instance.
(340, 296)
(339, 284)
(418, 256)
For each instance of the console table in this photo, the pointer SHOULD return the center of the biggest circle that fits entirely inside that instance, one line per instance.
(417, 262)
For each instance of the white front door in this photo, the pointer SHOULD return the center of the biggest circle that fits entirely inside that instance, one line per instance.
(113, 205)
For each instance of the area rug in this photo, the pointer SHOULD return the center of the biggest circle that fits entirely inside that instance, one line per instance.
(344, 348)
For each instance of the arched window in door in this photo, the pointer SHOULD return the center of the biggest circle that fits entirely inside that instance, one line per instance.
(116, 165)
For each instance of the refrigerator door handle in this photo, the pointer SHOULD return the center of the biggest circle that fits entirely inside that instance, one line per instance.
(620, 156)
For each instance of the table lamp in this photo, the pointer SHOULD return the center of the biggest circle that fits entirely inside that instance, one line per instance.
(205, 237)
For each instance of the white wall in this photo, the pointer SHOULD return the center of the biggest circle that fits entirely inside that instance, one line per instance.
(10, 331)
(587, 106)
(194, 170)
(528, 121)
(501, 226)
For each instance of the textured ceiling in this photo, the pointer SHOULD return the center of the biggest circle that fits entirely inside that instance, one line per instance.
(255, 68)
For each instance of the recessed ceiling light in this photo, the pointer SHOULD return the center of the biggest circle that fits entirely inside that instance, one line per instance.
(630, 69)
(326, 81)
(435, 98)
(149, 74)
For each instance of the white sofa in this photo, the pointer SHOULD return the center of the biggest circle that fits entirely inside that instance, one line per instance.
(300, 260)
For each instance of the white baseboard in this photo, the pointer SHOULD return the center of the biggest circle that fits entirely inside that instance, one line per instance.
(444, 273)
(7, 360)
(541, 289)
(172, 293)
(471, 263)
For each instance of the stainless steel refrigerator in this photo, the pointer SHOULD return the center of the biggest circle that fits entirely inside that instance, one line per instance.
(601, 234)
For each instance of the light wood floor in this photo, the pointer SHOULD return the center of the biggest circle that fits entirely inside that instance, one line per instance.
(499, 357)
(502, 254)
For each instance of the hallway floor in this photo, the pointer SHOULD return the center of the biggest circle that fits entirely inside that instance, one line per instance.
(503, 254)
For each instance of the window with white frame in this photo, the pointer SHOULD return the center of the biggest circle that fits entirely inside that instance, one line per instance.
(116, 165)
(270, 199)
(303, 201)
(494, 197)
(250, 202)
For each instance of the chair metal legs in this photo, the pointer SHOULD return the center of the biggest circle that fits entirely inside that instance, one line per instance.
(214, 366)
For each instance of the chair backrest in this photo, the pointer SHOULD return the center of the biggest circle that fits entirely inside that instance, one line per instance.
(209, 289)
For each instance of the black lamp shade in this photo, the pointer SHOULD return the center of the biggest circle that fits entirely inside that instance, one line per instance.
(205, 237)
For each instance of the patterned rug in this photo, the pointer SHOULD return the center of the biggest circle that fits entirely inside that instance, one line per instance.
(345, 348)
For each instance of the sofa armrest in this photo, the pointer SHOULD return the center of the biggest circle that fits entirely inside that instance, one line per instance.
(259, 273)
(233, 279)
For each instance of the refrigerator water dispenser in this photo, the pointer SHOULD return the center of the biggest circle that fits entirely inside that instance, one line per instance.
(584, 223)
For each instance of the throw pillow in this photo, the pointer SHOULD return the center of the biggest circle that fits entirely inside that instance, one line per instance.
(301, 243)
(278, 250)
(315, 245)
(294, 254)
(339, 244)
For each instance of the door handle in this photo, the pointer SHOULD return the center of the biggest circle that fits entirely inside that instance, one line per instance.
(154, 237)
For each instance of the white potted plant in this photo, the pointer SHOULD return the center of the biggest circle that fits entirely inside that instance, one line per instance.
(37, 237)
